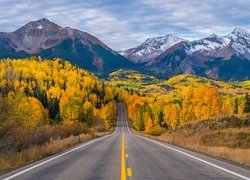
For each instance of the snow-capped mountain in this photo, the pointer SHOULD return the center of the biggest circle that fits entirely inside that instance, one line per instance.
(208, 45)
(49, 40)
(226, 57)
(237, 42)
(218, 57)
(240, 42)
(151, 48)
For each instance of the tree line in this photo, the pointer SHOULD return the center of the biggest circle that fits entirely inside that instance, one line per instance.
(192, 104)
(37, 93)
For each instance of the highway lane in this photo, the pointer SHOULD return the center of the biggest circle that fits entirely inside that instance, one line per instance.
(150, 159)
(124, 155)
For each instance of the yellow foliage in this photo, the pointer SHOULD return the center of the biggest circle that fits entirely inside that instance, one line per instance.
(149, 124)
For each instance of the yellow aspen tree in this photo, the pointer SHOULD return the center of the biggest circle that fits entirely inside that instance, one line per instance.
(149, 124)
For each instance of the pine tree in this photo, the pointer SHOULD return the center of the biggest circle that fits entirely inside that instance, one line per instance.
(247, 104)
(161, 119)
(236, 106)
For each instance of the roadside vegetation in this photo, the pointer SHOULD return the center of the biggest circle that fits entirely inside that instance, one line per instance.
(223, 137)
(44, 103)
(198, 113)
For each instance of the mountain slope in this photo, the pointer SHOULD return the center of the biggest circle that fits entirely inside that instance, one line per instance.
(172, 88)
(223, 58)
(49, 40)
(151, 48)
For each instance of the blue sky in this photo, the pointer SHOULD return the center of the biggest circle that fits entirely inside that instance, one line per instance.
(122, 24)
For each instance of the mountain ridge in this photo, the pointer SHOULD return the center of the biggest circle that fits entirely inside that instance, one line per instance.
(213, 56)
(49, 40)
(218, 57)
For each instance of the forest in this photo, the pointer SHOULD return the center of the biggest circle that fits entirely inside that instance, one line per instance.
(187, 98)
(44, 99)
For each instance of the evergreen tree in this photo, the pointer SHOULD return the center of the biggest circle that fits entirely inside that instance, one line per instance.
(161, 119)
(236, 106)
(247, 104)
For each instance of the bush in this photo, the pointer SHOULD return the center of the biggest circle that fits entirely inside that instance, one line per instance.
(155, 131)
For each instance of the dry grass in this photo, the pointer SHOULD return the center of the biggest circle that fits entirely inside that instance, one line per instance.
(227, 148)
(37, 152)
(231, 144)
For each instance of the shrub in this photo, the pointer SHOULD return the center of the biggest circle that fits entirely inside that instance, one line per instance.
(155, 131)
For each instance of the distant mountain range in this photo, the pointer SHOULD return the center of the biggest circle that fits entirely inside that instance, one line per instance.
(49, 40)
(223, 58)
(151, 48)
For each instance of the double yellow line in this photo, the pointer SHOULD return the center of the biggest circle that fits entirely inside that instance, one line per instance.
(123, 162)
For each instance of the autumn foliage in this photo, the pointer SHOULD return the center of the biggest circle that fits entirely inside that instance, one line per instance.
(37, 94)
(191, 104)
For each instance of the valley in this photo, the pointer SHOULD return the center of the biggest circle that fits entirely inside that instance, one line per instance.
(69, 99)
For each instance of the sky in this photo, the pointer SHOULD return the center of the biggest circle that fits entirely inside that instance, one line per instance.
(122, 24)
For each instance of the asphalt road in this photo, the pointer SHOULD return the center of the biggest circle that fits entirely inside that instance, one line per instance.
(123, 155)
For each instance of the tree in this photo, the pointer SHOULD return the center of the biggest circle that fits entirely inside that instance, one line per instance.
(73, 111)
(88, 113)
(161, 119)
(108, 114)
(175, 115)
(139, 117)
(149, 124)
(247, 104)
(20, 117)
(236, 106)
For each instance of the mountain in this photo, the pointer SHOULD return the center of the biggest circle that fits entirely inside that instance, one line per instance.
(49, 40)
(151, 48)
(223, 58)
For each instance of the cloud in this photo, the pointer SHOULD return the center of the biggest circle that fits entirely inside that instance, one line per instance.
(123, 24)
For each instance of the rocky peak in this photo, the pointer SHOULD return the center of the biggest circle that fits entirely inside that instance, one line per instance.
(41, 24)
(239, 32)
(151, 48)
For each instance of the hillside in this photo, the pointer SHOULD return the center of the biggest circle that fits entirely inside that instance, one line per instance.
(136, 82)
(152, 86)
(222, 137)
(218, 57)
(197, 113)
(228, 88)
(44, 103)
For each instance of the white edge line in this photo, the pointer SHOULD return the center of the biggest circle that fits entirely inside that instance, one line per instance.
(58, 156)
(184, 153)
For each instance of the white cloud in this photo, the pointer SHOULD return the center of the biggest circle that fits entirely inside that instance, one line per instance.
(124, 24)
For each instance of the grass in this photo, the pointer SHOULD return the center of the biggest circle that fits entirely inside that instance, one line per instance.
(37, 152)
(222, 137)
(224, 144)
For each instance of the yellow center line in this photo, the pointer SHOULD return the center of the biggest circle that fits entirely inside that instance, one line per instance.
(123, 164)
(129, 172)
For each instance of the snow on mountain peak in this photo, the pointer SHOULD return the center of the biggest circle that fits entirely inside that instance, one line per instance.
(210, 44)
(40, 26)
(237, 42)
(151, 48)
(239, 32)
(240, 41)
(213, 36)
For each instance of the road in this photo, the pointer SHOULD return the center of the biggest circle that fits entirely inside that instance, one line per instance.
(124, 155)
